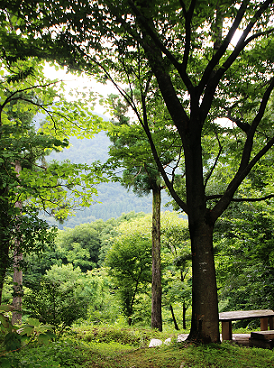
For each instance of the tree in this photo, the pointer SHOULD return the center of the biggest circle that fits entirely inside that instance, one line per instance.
(57, 298)
(129, 260)
(177, 263)
(79, 246)
(25, 92)
(103, 304)
(130, 151)
(92, 242)
(15, 130)
(188, 54)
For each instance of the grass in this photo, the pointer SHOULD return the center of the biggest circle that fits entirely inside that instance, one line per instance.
(111, 347)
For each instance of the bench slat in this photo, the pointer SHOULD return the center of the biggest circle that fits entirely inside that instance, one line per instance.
(238, 315)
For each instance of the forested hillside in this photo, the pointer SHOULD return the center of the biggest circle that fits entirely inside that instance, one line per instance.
(113, 199)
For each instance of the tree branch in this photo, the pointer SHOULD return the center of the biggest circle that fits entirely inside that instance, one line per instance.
(223, 47)
(209, 80)
(252, 129)
(151, 32)
(237, 180)
(257, 35)
(168, 183)
(12, 94)
(188, 17)
(122, 92)
(218, 196)
(240, 124)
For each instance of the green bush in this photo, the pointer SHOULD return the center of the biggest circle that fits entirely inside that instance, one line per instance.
(52, 303)
(123, 336)
(56, 354)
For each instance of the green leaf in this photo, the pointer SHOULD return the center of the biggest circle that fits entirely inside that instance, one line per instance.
(46, 338)
(12, 341)
(34, 322)
(5, 323)
(26, 330)
(6, 308)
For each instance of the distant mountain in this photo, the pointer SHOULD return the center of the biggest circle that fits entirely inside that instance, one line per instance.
(85, 150)
(115, 199)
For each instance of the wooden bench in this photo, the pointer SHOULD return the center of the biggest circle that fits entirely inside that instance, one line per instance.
(262, 339)
(266, 317)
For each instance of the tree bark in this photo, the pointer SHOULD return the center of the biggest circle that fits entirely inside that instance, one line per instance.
(205, 318)
(156, 304)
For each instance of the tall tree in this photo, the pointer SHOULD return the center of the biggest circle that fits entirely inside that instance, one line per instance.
(24, 92)
(130, 151)
(188, 53)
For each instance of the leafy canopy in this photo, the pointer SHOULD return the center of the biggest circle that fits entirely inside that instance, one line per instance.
(183, 52)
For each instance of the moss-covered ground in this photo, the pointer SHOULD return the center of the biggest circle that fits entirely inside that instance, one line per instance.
(110, 347)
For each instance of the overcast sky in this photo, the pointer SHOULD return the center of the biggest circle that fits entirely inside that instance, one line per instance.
(78, 83)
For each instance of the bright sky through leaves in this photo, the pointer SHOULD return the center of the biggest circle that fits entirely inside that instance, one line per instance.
(74, 82)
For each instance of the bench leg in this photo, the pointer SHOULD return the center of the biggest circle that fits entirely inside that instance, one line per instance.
(227, 330)
(264, 323)
(271, 323)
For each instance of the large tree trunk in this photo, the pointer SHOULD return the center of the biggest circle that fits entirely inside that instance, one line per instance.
(205, 318)
(156, 307)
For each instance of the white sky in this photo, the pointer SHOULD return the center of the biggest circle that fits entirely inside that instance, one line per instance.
(74, 82)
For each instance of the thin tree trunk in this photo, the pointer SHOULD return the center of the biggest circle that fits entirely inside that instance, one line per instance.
(17, 269)
(184, 315)
(173, 318)
(156, 307)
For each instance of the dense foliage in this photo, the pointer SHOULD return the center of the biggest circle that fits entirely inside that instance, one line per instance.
(245, 257)
(27, 182)
(58, 279)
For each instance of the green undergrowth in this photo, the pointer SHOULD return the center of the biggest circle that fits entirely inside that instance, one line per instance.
(110, 347)
(124, 336)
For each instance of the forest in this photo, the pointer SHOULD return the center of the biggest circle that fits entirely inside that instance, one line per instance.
(147, 223)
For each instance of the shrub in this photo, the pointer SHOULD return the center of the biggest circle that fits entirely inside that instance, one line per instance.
(52, 303)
